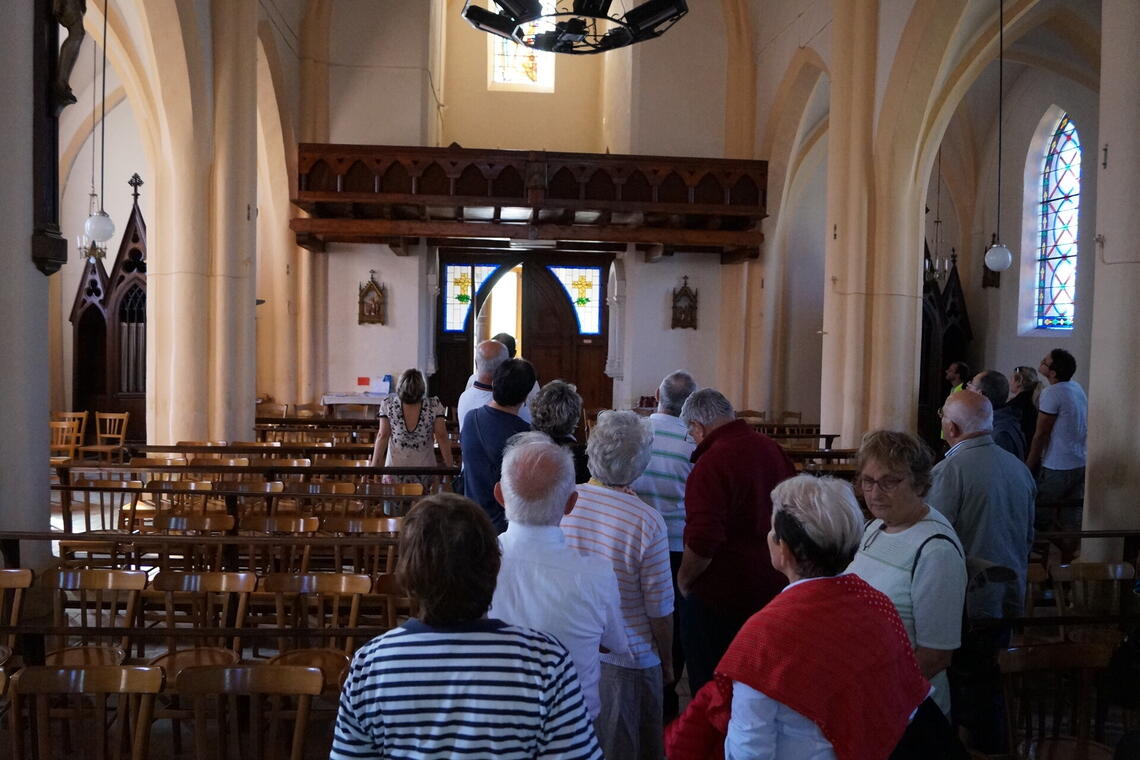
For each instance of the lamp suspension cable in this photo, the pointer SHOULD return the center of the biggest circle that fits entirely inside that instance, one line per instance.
(103, 115)
(94, 71)
(1001, 105)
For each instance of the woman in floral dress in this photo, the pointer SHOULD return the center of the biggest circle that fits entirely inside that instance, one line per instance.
(411, 424)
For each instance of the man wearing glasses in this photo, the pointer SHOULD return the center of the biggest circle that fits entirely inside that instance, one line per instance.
(1058, 452)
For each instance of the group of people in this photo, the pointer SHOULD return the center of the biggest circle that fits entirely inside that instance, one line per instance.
(684, 541)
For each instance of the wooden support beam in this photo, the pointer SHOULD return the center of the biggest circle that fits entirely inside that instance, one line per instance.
(364, 229)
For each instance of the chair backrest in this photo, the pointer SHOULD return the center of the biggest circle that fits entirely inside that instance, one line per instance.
(1092, 588)
(1049, 694)
(100, 705)
(333, 664)
(787, 416)
(202, 600)
(107, 509)
(266, 558)
(80, 417)
(274, 731)
(331, 600)
(270, 409)
(752, 414)
(191, 556)
(104, 600)
(395, 600)
(13, 583)
(65, 438)
(369, 560)
(111, 427)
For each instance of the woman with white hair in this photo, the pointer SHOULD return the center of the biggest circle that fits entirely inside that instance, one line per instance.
(825, 670)
(610, 521)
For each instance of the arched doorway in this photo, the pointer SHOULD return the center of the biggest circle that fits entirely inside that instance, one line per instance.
(564, 319)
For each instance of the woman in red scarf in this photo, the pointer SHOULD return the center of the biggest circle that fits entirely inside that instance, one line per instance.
(825, 670)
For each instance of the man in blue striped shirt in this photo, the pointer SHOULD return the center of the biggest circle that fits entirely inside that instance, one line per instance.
(454, 683)
(662, 486)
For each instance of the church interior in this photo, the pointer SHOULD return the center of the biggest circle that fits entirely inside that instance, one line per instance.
(261, 162)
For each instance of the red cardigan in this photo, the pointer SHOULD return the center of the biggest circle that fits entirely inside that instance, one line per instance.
(833, 650)
(728, 512)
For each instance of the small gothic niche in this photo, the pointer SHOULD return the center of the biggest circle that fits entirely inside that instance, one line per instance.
(373, 302)
(684, 306)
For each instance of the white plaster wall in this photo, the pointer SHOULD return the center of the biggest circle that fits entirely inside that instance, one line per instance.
(358, 350)
(616, 114)
(286, 17)
(803, 290)
(379, 89)
(652, 349)
(893, 15)
(780, 29)
(998, 342)
(678, 87)
(125, 156)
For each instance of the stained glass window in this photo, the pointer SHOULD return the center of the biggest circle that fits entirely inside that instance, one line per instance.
(584, 287)
(518, 67)
(1057, 253)
(461, 283)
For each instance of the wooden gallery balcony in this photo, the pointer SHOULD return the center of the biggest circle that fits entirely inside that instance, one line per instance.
(499, 198)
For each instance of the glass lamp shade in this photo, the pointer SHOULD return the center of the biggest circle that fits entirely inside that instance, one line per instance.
(998, 257)
(99, 227)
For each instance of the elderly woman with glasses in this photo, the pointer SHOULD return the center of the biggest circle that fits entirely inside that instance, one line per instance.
(824, 670)
(910, 552)
(1025, 389)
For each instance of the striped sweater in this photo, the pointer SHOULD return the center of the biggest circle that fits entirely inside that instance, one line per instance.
(662, 485)
(483, 689)
(631, 535)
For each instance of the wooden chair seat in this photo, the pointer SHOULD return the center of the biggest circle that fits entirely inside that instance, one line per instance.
(110, 435)
(333, 664)
(86, 655)
(173, 663)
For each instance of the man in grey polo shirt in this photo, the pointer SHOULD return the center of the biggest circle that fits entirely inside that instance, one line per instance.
(662, 486)
(1058, 452)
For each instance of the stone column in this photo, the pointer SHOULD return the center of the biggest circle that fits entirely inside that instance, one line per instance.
(846, 304)
(232, 357)
(1112, 480)
(312, 269)
(23, 301)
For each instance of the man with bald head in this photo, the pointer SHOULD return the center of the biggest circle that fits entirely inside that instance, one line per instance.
(987, 494)
(543, 583)
(489, 355)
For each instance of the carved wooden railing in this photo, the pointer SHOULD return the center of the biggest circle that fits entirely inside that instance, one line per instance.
(381, 194)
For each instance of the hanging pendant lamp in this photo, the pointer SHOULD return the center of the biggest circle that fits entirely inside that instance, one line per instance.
(99, 227)
(998, 257)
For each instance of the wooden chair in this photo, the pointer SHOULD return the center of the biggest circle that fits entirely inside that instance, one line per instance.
(189, 556)
(1092, 588)
(65, 441)
(108, 513)
(164, 502)
(315, 601)
(110, 433)
(389, 508)
(787, 417)
(1036, 580)
(80, 417)
(394, 604)
(333, 664)
(366, 560)
(105, 709)
(351, 411)
(1049, 697)
(309, 410)
(264, 558)
(296, 503)
(13, 583)
(255, 496)
(196, 601)
(213, 691)
(270, 409)
(751, 414)
(104, 600)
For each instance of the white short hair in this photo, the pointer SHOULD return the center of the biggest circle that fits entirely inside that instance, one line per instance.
(827, 511)
(707, 406)
(537, 479)
(619, 447)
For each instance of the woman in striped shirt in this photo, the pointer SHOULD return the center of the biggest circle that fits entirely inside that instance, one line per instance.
(453, 683)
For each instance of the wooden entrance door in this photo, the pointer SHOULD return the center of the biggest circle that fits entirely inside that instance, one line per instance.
(553, 341)
(551, 336)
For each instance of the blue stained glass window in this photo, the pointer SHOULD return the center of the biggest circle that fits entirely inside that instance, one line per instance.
(584, 287)
(1056, 286)
(461, 284)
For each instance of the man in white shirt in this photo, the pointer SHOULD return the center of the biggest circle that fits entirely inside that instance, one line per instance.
(543, 583)
(488, 357)
(662, 486)
(1058, 452)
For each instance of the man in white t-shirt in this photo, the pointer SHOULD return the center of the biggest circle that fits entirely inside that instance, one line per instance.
(543, 583)
(1058, 452)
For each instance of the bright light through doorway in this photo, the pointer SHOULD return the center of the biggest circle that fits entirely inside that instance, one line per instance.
(502, 311)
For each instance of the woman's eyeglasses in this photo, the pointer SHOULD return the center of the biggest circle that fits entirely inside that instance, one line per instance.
(886, 485)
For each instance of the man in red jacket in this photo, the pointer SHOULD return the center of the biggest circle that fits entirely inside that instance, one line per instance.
(726, 574)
